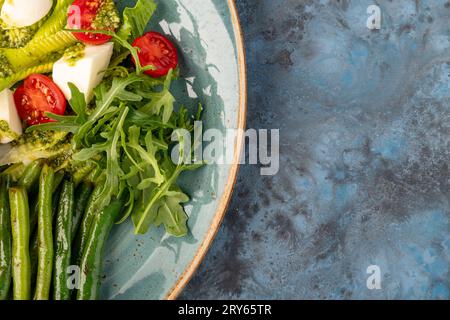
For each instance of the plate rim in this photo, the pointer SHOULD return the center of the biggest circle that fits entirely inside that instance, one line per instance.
(204, 247)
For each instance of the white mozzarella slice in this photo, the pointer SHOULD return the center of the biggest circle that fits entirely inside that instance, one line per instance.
(86, 73)
(24, 13)
(8, 113)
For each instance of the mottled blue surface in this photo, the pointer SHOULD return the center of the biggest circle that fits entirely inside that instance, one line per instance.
(365, 136)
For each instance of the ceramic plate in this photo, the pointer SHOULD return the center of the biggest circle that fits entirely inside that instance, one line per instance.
(156, 266)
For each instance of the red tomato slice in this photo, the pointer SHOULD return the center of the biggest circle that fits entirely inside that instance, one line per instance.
(81, 15)
(155, 49)
(37, 95)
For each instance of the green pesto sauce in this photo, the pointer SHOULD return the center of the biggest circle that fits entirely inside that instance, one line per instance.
(5, 67)
(15, 38)
(107, 17)
(6, 132)
(74, 53)
(39, 138)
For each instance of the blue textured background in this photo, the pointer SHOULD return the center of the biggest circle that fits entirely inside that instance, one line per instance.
(365, 136)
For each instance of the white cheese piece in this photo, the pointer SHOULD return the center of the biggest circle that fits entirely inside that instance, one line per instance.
(24, 13)
(86, 73)
(8, 113)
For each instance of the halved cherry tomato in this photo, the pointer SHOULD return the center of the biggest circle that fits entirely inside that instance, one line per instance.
(158, 51)
(37, 95)
(81, 15)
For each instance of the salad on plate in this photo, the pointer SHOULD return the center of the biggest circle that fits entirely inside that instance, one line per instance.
(87, 131)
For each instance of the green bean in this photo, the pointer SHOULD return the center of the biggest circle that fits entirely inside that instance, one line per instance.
(45, 234)
(33, 214)
(63, 239)
(55, 201)
(91, 211)
(5, 239)
(15, 171)
(91, 262)
(59, 176)
(34, 253)
(18, 199)
(82, 196)
(29, 180)
(31, 175)
(34, 247)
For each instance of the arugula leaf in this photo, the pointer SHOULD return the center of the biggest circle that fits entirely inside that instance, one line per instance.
(110, 147)
(163, 99)
(149, 122)
(148, 155)
(104, 99)
(159, 204)
(78, 104)
(136, 19)
(147, 207)
(65, 124)
(171, 214)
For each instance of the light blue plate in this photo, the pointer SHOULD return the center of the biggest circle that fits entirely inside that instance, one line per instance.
(156, 266)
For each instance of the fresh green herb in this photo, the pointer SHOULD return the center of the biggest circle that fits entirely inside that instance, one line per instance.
(136, 19)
